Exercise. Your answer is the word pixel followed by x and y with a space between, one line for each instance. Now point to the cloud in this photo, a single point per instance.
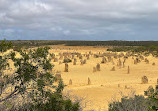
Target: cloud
pixel 75 19
pixel 66 32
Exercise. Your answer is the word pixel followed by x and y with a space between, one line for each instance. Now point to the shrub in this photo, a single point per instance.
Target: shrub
pixel 30 87
pixel 67 60
pixel 136 103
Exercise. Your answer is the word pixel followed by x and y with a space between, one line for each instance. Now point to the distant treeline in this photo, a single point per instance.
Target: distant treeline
pixel 83 43
pixel 134 49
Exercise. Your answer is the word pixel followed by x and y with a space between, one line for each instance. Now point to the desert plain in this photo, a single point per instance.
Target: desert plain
pixel 119 75
pixel 104 85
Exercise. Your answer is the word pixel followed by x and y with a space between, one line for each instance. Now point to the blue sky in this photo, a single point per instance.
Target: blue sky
pixel 79 19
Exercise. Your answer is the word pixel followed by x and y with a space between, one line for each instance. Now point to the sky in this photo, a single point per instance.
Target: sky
pixel 98 20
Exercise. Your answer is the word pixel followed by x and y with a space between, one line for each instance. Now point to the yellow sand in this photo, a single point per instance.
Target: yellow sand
pixel 105 82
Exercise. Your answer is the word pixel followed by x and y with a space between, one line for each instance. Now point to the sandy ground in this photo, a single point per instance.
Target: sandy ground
pixel 104 83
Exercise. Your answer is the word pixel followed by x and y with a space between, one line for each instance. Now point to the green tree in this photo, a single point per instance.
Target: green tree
pixel 32 79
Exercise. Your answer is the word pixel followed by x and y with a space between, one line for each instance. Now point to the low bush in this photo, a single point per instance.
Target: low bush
pixel 67 60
